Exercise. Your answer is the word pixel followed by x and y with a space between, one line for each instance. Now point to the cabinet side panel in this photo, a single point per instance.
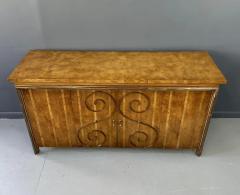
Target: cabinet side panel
pixel 32 116
pixel 177 108
pixel 202 118
pixel 193 119
pixel 38 110
pixel 58 113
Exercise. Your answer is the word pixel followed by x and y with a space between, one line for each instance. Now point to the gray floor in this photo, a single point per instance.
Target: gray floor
pixel 120 171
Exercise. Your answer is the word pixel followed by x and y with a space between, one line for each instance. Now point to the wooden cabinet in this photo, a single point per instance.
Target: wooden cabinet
pixel 95 99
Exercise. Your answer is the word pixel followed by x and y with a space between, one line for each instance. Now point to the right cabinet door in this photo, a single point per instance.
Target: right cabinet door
pixel 162 118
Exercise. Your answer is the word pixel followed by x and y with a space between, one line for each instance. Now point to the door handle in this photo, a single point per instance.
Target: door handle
pixel 120 123
pixel 117 123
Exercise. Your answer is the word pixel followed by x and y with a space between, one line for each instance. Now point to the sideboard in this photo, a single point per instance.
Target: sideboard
pixel 117 98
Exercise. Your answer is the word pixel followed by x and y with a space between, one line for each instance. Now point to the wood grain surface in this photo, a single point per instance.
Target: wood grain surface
pixel 51 68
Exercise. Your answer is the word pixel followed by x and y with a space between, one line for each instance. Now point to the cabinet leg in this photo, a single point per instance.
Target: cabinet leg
pixel 198 151
pixel 34 144
pixel 36 149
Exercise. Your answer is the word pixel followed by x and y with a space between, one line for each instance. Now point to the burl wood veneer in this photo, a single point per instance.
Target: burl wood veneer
pixel 117 99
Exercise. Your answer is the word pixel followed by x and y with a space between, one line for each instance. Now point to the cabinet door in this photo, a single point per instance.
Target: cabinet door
pixel 167 118
pixel 97 110
pixel 71 117
pixel 137 126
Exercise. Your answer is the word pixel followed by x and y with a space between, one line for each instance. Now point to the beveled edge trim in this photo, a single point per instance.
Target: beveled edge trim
pixel 125 87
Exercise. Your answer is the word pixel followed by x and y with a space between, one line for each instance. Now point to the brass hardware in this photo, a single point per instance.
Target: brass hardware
pixel 120 123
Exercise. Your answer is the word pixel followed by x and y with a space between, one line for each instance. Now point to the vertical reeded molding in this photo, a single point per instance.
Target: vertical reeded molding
pixel 124 120
pixel 80 113
pixel 154 111
pixel 109 112
pixel 51 116
pixel 198 151
pixel 182 119
pixel 30 132
pixel 168 117
pixel 66 117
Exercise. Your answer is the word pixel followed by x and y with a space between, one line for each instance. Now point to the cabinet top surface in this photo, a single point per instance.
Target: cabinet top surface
pixel 50 67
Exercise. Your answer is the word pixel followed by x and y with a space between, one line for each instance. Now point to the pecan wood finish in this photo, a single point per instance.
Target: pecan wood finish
pixel 117 99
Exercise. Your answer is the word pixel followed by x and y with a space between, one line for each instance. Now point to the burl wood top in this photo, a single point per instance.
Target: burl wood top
pixel 44 67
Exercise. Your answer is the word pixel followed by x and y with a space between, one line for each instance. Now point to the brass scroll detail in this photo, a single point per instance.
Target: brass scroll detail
pixel 97 105
pixel 145 135
pixel 142 136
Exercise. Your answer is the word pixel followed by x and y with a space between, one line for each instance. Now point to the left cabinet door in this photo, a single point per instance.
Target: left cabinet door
pixel 71 117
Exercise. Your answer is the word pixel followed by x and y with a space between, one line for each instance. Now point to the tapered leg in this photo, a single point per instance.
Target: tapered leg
pixel 36 149
pixel 34 144
pixel 199 150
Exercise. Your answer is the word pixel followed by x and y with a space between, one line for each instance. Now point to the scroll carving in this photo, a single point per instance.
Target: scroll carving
pixel 144 135
pixel 98 101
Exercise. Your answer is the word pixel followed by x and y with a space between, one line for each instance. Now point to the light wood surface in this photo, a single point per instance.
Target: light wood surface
pixel 52 68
